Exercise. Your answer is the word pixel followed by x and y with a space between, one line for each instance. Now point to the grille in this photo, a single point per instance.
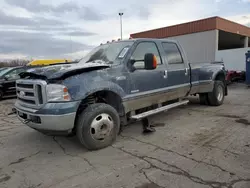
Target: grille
pixel 31 93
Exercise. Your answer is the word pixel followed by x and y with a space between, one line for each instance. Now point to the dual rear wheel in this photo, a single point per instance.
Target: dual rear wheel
pixel 216 97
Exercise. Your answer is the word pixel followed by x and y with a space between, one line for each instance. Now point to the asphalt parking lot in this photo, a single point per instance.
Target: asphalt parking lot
pixel 194 147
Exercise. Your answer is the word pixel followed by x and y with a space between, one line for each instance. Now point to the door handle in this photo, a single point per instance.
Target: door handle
pixel 186 71
pixel 165 74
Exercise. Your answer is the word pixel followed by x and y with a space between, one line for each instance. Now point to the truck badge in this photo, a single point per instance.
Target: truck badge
pixel 22 94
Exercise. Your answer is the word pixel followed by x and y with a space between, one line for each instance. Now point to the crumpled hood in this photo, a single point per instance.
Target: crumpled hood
pixel 62 71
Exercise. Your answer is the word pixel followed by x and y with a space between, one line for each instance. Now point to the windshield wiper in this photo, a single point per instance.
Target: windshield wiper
pixel 100 61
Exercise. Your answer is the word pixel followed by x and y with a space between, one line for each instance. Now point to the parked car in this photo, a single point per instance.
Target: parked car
pixel 1 69
pixel 235 76
pixel 115 83
pixel 8 77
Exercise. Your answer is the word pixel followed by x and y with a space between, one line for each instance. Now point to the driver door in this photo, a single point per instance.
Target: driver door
pixel 146 81
pixel 146 84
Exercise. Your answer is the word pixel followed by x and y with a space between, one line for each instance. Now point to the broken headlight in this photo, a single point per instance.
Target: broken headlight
pixel 57 92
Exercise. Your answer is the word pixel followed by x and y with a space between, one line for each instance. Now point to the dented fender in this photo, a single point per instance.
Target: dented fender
pixel 83 85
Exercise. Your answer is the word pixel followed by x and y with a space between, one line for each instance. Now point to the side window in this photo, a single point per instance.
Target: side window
pixel 20 70
pixel 172 52
pixel 143 48
pixel 14 74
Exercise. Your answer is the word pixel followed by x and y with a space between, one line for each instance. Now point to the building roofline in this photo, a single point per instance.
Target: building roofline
pixel 176 25
pixel 232 27
pixel 232 22
pixel 201 25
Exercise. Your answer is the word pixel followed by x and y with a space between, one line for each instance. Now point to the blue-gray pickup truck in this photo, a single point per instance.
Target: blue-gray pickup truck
pixel 113 84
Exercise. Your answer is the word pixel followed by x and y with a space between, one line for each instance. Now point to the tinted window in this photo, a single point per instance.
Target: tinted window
pixel 144 48
pixel 173 53
pixel 14 74
pixel 3 72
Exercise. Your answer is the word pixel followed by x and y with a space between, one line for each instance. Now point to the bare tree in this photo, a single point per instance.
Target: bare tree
pixel 14 63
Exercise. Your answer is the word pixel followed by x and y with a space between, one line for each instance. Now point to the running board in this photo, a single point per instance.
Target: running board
pixel 158 110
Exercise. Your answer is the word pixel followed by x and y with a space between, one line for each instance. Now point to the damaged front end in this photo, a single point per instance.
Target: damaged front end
pixel 44 102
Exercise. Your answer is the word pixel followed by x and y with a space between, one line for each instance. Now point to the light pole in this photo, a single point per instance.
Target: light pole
pixel 121 14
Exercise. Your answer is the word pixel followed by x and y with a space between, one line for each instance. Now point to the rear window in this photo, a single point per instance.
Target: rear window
pixel 172 52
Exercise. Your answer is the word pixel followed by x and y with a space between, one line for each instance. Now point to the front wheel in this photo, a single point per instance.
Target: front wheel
pixel 216 97
pixel 98 126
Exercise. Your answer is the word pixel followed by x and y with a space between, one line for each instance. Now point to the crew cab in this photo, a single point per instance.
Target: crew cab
pixel 113 84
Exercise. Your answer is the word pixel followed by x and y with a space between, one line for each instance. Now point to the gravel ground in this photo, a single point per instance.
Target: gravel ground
pixel 193 146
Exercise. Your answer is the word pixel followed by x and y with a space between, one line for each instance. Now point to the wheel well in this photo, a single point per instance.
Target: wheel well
pixel 110 98
pixel 107 97
pixel 221 76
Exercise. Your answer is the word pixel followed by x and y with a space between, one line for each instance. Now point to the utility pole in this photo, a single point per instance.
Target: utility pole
pixel 71 44
pixel 121 14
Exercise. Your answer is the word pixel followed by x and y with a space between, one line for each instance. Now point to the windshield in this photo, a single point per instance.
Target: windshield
pixel 4 71
pixel 108 53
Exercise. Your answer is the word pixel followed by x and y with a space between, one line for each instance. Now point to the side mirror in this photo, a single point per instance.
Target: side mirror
pixel 150 61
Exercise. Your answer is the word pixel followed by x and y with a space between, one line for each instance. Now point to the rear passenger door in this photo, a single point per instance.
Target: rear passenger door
pixel 178 73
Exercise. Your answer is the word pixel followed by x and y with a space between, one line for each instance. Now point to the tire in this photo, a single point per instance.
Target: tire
pixel 98 126
pixel 216 97
pixel 203 99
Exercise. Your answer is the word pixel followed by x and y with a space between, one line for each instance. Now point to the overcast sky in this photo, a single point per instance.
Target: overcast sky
pixel 70 28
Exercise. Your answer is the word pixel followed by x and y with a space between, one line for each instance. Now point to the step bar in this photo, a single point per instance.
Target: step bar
pixel 158 110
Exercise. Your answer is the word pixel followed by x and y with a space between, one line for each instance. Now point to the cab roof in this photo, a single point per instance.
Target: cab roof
pixel 146 39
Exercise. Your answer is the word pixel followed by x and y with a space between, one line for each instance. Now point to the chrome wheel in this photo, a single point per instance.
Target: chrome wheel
pixel 101 127
pixel 220 93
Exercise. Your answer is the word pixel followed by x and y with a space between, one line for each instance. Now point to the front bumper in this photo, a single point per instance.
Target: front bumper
pixel 52 117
